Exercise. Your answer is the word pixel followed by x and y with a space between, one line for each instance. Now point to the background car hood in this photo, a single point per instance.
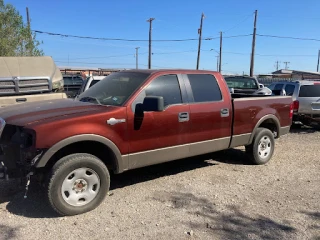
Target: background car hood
pixel 27 113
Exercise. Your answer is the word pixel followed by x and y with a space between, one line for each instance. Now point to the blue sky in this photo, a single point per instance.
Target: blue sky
pixel 177 20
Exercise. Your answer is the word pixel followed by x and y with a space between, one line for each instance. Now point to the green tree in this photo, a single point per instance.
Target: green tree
pixel 16 38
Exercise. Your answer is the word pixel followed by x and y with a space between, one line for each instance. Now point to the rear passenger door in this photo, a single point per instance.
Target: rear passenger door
pixel 210 114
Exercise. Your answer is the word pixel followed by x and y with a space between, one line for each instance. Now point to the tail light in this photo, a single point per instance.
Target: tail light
pixel 295 106
pixel 291 110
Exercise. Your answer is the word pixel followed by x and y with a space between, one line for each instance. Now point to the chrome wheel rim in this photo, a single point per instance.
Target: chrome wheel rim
pixel 264 147
pixel 80 187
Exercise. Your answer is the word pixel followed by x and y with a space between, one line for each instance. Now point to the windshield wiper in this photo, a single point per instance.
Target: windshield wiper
pixel 87 99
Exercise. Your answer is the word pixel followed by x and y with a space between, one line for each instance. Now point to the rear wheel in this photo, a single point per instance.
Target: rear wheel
pixel 262 148
pixel 78 183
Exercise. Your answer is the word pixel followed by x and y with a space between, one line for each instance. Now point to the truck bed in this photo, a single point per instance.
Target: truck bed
pixel 249 112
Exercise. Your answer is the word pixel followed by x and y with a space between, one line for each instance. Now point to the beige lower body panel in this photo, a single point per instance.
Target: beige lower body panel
pixel 240 140
pixel 284 130
pixel 10 100
pixel 142 159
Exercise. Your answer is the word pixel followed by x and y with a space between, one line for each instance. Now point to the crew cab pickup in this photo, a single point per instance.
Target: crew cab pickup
pixel 132 119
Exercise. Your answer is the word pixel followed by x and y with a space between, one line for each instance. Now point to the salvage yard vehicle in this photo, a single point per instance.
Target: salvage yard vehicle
pixel 89 82
pixel 72 84
pixel 29 79
pixel 133 119
pixel 306 98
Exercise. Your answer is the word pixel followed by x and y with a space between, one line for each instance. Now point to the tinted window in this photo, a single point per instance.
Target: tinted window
pixel 278 87
pixel 166 86
pixel 241 82
pixel 310 91
pixel 204 87
pixel 289 89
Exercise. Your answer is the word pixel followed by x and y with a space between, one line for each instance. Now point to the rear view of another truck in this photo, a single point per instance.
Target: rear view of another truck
pixel 29 79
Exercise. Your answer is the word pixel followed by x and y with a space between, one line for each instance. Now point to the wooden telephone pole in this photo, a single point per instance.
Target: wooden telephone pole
pixel 253 43
pixel 200 38
pixel 150 35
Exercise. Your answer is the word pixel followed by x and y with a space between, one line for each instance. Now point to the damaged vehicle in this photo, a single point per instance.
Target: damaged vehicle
pixel 132 119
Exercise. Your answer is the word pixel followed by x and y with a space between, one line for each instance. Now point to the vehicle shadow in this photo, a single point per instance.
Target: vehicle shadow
pixel 230 223
pixel 303 129
pixel 37 206
pixel 230 156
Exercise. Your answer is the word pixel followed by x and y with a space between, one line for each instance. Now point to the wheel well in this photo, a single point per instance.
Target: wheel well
pixel 271 125
pixel 101 151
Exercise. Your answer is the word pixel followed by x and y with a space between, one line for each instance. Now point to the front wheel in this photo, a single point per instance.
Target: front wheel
pixel 262 148
pixel 78 183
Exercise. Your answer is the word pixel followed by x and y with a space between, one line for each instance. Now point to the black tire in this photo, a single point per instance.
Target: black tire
pixel 262 138
pixel 93 170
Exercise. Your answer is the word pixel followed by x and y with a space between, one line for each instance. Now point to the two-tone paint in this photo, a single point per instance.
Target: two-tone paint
pixel 180 131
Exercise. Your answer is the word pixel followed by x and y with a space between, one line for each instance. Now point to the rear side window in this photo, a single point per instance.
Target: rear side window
pixel 166 86
pixel 310 91
pixel 289 89
pixel 278 87
pixel 205 88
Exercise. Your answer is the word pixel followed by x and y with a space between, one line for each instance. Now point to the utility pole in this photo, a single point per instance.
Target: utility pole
pixel 200 38
pixel 220 54
pixel 150 33
pixel 137 55
pixel 318 61
pixel 217 63
pixel 253 43
pixel 277 65
pixel 29 26
pixel 286 65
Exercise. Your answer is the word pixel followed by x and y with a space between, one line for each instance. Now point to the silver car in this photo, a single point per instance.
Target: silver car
pixel 306 97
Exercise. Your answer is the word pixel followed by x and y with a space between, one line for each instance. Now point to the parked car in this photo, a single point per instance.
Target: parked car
pixel 29 79
pixel 89 82
pixel 242 84
pixel 72 84
pixel 133 119
pixel 306 99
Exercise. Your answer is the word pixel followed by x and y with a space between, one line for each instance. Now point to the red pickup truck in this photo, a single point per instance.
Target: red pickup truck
pixel 132 119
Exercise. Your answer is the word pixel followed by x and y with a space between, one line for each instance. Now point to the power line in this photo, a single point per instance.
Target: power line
pixel 245 19
pixel 295 38
pixel 135 40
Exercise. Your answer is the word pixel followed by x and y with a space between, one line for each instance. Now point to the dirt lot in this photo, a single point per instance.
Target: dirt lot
pixel 220 198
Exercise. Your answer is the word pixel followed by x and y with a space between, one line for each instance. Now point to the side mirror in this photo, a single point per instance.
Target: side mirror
pixel 153 104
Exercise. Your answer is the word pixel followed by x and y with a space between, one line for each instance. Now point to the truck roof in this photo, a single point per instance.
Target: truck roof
pixel 152 71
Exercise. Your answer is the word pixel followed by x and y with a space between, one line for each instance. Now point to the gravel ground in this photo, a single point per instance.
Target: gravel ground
pixel 217 196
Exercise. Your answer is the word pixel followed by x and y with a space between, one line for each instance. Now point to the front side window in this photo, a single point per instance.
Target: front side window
pixel 205 88
pixel 166 86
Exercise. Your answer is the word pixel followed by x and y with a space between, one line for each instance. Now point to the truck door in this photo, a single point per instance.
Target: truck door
pixel 210 114
pixel 160 136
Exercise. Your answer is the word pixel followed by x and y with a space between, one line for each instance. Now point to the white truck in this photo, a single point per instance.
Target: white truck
pixel 29 79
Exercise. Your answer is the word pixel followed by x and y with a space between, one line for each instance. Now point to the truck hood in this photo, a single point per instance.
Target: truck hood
pixel 27 113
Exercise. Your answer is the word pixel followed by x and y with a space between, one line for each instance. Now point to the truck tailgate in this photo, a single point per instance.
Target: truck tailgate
pixel 10 100
pixel 247 112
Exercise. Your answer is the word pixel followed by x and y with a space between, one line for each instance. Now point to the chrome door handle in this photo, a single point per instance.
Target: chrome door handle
pixel 183 117
pixel 224 112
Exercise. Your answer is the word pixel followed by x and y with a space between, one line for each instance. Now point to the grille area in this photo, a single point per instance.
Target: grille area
pixel 9 87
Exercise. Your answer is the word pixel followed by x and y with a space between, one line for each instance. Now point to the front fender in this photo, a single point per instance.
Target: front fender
pixel 121 161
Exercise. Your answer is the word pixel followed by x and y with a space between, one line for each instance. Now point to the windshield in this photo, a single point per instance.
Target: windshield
pixel 310 91
pixel 115 89
pixel 241 82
